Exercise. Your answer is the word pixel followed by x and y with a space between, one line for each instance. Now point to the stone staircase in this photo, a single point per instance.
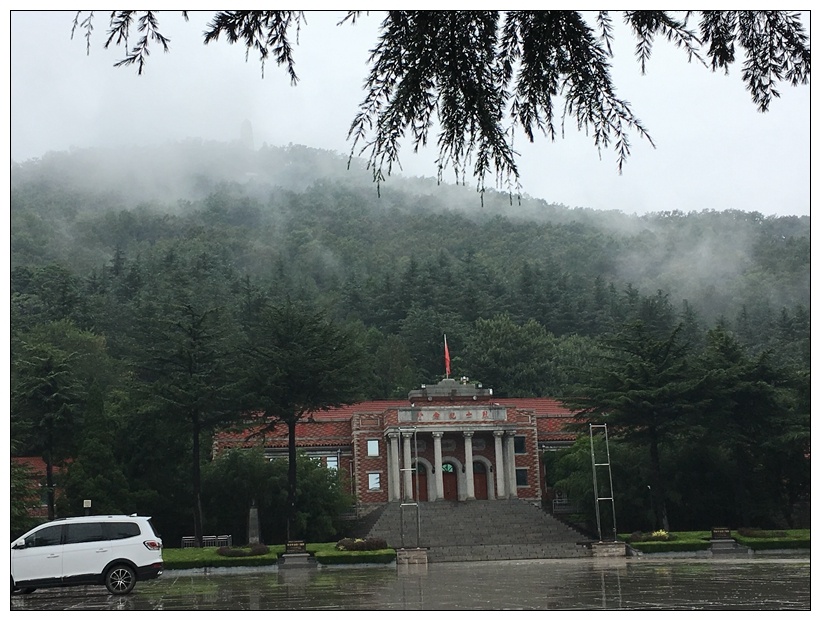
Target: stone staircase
pixel 509 529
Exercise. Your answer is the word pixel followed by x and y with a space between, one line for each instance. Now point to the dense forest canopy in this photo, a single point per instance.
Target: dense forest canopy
pixel 112 252
pixel 300 211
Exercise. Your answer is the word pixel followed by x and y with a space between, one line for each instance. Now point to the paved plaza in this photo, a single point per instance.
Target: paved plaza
pixel 753 583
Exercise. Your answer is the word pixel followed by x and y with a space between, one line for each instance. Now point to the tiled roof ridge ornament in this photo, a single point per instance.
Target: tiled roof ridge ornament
pixel 450 390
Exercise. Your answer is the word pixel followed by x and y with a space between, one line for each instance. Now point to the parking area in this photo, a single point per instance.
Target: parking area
pixel 583 584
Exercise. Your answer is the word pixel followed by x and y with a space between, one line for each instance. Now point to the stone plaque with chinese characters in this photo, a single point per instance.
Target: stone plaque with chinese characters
pixel 452 414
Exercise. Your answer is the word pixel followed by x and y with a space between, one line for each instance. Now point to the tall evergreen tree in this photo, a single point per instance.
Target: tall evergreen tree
pixel 642 388
pixel 52 371
pixel 755 413
pixel 187 370
pixel 297 361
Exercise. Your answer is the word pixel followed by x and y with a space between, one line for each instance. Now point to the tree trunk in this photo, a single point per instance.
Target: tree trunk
pixel 742 512
pixel 291 508
pixel 658 488
pixel 50 486
pixel 197 483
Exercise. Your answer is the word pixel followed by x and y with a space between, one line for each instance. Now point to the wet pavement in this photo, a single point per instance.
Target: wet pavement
pixel 746 583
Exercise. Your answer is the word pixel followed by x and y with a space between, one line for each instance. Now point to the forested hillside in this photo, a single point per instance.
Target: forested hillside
pixel 108 248
pixel 415 262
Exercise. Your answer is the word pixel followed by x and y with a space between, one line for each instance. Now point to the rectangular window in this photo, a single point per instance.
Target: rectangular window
pixel 120 530
pixel 372 447
pixel 520 445
pixel 84 532
pixel 332 462
pixel 46 537
pixel 521 477
pixel 374 482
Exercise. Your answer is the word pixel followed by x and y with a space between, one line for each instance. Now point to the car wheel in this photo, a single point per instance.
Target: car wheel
pixel 120 579
pixel 27 590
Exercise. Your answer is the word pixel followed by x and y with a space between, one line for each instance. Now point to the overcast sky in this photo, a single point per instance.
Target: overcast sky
pixel 714 150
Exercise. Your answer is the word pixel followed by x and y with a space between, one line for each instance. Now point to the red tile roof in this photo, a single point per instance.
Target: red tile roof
pixel 333 427
pixel 539 406
pixel 36 463
pixel 367 406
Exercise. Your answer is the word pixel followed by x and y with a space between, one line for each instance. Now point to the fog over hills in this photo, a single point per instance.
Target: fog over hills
pixel 712 258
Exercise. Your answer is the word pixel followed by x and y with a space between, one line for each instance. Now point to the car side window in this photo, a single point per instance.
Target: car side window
pixel 121 530
pixel 46 537
pixel 84 532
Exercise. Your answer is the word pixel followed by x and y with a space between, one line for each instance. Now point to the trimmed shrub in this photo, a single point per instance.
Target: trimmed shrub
pixel 241 552
pixel 231 552
pixel 777 543
pixel 379 556
pixel 664 546
pixel 749 532
pixel 658 536
pixel 361 544
pixel 217 561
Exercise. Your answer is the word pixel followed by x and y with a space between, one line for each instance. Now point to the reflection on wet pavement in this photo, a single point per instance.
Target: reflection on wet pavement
pixel 583 584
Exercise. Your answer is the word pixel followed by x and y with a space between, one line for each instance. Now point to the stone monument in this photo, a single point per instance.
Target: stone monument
pixel 253 524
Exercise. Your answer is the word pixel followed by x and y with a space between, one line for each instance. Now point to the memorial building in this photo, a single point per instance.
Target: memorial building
pixel 450 441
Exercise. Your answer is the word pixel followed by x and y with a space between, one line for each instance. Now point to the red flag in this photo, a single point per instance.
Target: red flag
pixel 446 357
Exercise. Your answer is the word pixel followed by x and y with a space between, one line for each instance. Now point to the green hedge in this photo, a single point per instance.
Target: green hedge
pixel 773 543
pixel 325 553
pixel 207 557
pixel 699 541
pixel 378 556
pixel 664 546
pixel 794 539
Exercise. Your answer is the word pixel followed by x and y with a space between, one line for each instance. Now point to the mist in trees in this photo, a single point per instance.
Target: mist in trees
pixel 140 325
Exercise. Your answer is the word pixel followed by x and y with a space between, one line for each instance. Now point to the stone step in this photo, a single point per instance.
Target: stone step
pixel 504 552
pixel 475 530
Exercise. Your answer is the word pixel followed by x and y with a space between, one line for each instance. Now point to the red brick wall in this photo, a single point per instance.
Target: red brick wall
pixel 354 432
pixel 530 459
pixel 368 427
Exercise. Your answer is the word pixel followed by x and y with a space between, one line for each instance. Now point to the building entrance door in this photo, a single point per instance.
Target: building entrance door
pixel 480 480
pixel 448 474
pixel 421 480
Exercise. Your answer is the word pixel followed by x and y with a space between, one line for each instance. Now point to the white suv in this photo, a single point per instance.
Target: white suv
pixel 111 550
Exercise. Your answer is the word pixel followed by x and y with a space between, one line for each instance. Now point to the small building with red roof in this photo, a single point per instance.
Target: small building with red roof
pixel 37 475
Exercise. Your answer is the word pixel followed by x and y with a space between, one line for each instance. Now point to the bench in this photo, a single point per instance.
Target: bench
pixel 208 541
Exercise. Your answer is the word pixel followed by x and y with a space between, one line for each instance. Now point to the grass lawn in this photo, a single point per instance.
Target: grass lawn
pixel 699 541
pixel 325 553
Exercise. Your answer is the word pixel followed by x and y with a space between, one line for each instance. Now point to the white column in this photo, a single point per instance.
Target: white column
pixel 468 463
pixel 510 439
pixel 499 469
pixel 438 464
pixel 394 480
pixel 408 473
